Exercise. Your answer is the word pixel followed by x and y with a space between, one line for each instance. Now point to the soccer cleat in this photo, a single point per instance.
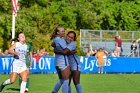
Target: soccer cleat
pixel 1 87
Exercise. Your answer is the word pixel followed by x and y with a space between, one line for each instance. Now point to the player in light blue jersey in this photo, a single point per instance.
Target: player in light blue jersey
pixel 73 60
pixel 18 66
pixel 61 61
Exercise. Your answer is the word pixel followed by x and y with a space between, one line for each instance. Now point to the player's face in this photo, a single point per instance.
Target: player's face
pixel 61 32
pixel 70 37
pixel 21 37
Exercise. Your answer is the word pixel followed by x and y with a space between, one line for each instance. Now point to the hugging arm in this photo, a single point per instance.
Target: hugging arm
pixel 53 44
pixel 62 52
pixel 65 51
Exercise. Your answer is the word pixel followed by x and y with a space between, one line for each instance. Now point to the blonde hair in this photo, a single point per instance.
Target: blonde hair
pixel 57 29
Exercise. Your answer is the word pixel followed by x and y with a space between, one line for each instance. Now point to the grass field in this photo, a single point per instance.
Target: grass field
pixel 91 83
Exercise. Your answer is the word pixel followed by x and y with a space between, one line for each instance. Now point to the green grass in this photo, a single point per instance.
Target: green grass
pixel 91 83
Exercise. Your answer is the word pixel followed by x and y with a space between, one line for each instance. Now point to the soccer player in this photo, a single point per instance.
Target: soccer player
pixel 61 61
pixel 19 50
pixel 73 60
pixel 29 58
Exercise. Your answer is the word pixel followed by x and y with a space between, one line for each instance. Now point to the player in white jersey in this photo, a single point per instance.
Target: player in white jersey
pixel 18 66
pixel 29 58
pixel 73 60
pixel 61 61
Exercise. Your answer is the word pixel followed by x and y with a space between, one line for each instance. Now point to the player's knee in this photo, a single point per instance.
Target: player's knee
pixel 76 82
pixel 12 81
pixel 24 79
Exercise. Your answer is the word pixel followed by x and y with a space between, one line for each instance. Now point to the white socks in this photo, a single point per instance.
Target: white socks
pixel 22 87
pixel 6 82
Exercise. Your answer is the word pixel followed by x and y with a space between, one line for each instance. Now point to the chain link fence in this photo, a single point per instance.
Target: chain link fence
pixel 105 39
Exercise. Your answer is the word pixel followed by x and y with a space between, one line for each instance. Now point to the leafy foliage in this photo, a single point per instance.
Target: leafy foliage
pixel 38 18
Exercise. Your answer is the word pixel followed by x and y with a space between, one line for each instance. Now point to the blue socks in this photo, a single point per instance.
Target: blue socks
pixel 69 91
pixel 78 88
pixel 65 86
pixel 57 86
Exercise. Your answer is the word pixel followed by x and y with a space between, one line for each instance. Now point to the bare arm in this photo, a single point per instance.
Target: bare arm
pixel 11 50
pixel 63 52
pixel 72 52
pixel 53 44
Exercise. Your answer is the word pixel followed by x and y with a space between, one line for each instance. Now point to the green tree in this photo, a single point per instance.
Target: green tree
pixel 38 18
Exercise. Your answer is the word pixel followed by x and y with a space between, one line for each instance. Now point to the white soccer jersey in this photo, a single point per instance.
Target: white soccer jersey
pixel 22 49
pixel 19 64
pixel 60 60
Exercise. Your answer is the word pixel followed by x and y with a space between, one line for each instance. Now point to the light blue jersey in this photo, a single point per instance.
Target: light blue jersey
pixel 60 60
pixel 74 60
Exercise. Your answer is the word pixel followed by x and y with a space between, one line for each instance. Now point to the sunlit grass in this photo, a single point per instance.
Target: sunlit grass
pixel 91 83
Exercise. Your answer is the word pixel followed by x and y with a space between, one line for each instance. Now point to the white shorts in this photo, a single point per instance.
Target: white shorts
pixel 61 67
pixel 18 66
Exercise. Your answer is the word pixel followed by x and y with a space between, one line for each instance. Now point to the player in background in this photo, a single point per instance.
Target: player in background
pixel 29 58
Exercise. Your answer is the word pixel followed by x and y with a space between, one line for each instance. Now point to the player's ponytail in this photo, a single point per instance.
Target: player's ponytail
pixel 54 34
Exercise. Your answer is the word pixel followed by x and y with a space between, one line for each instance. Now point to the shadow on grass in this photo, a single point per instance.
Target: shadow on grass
pixel 14 89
